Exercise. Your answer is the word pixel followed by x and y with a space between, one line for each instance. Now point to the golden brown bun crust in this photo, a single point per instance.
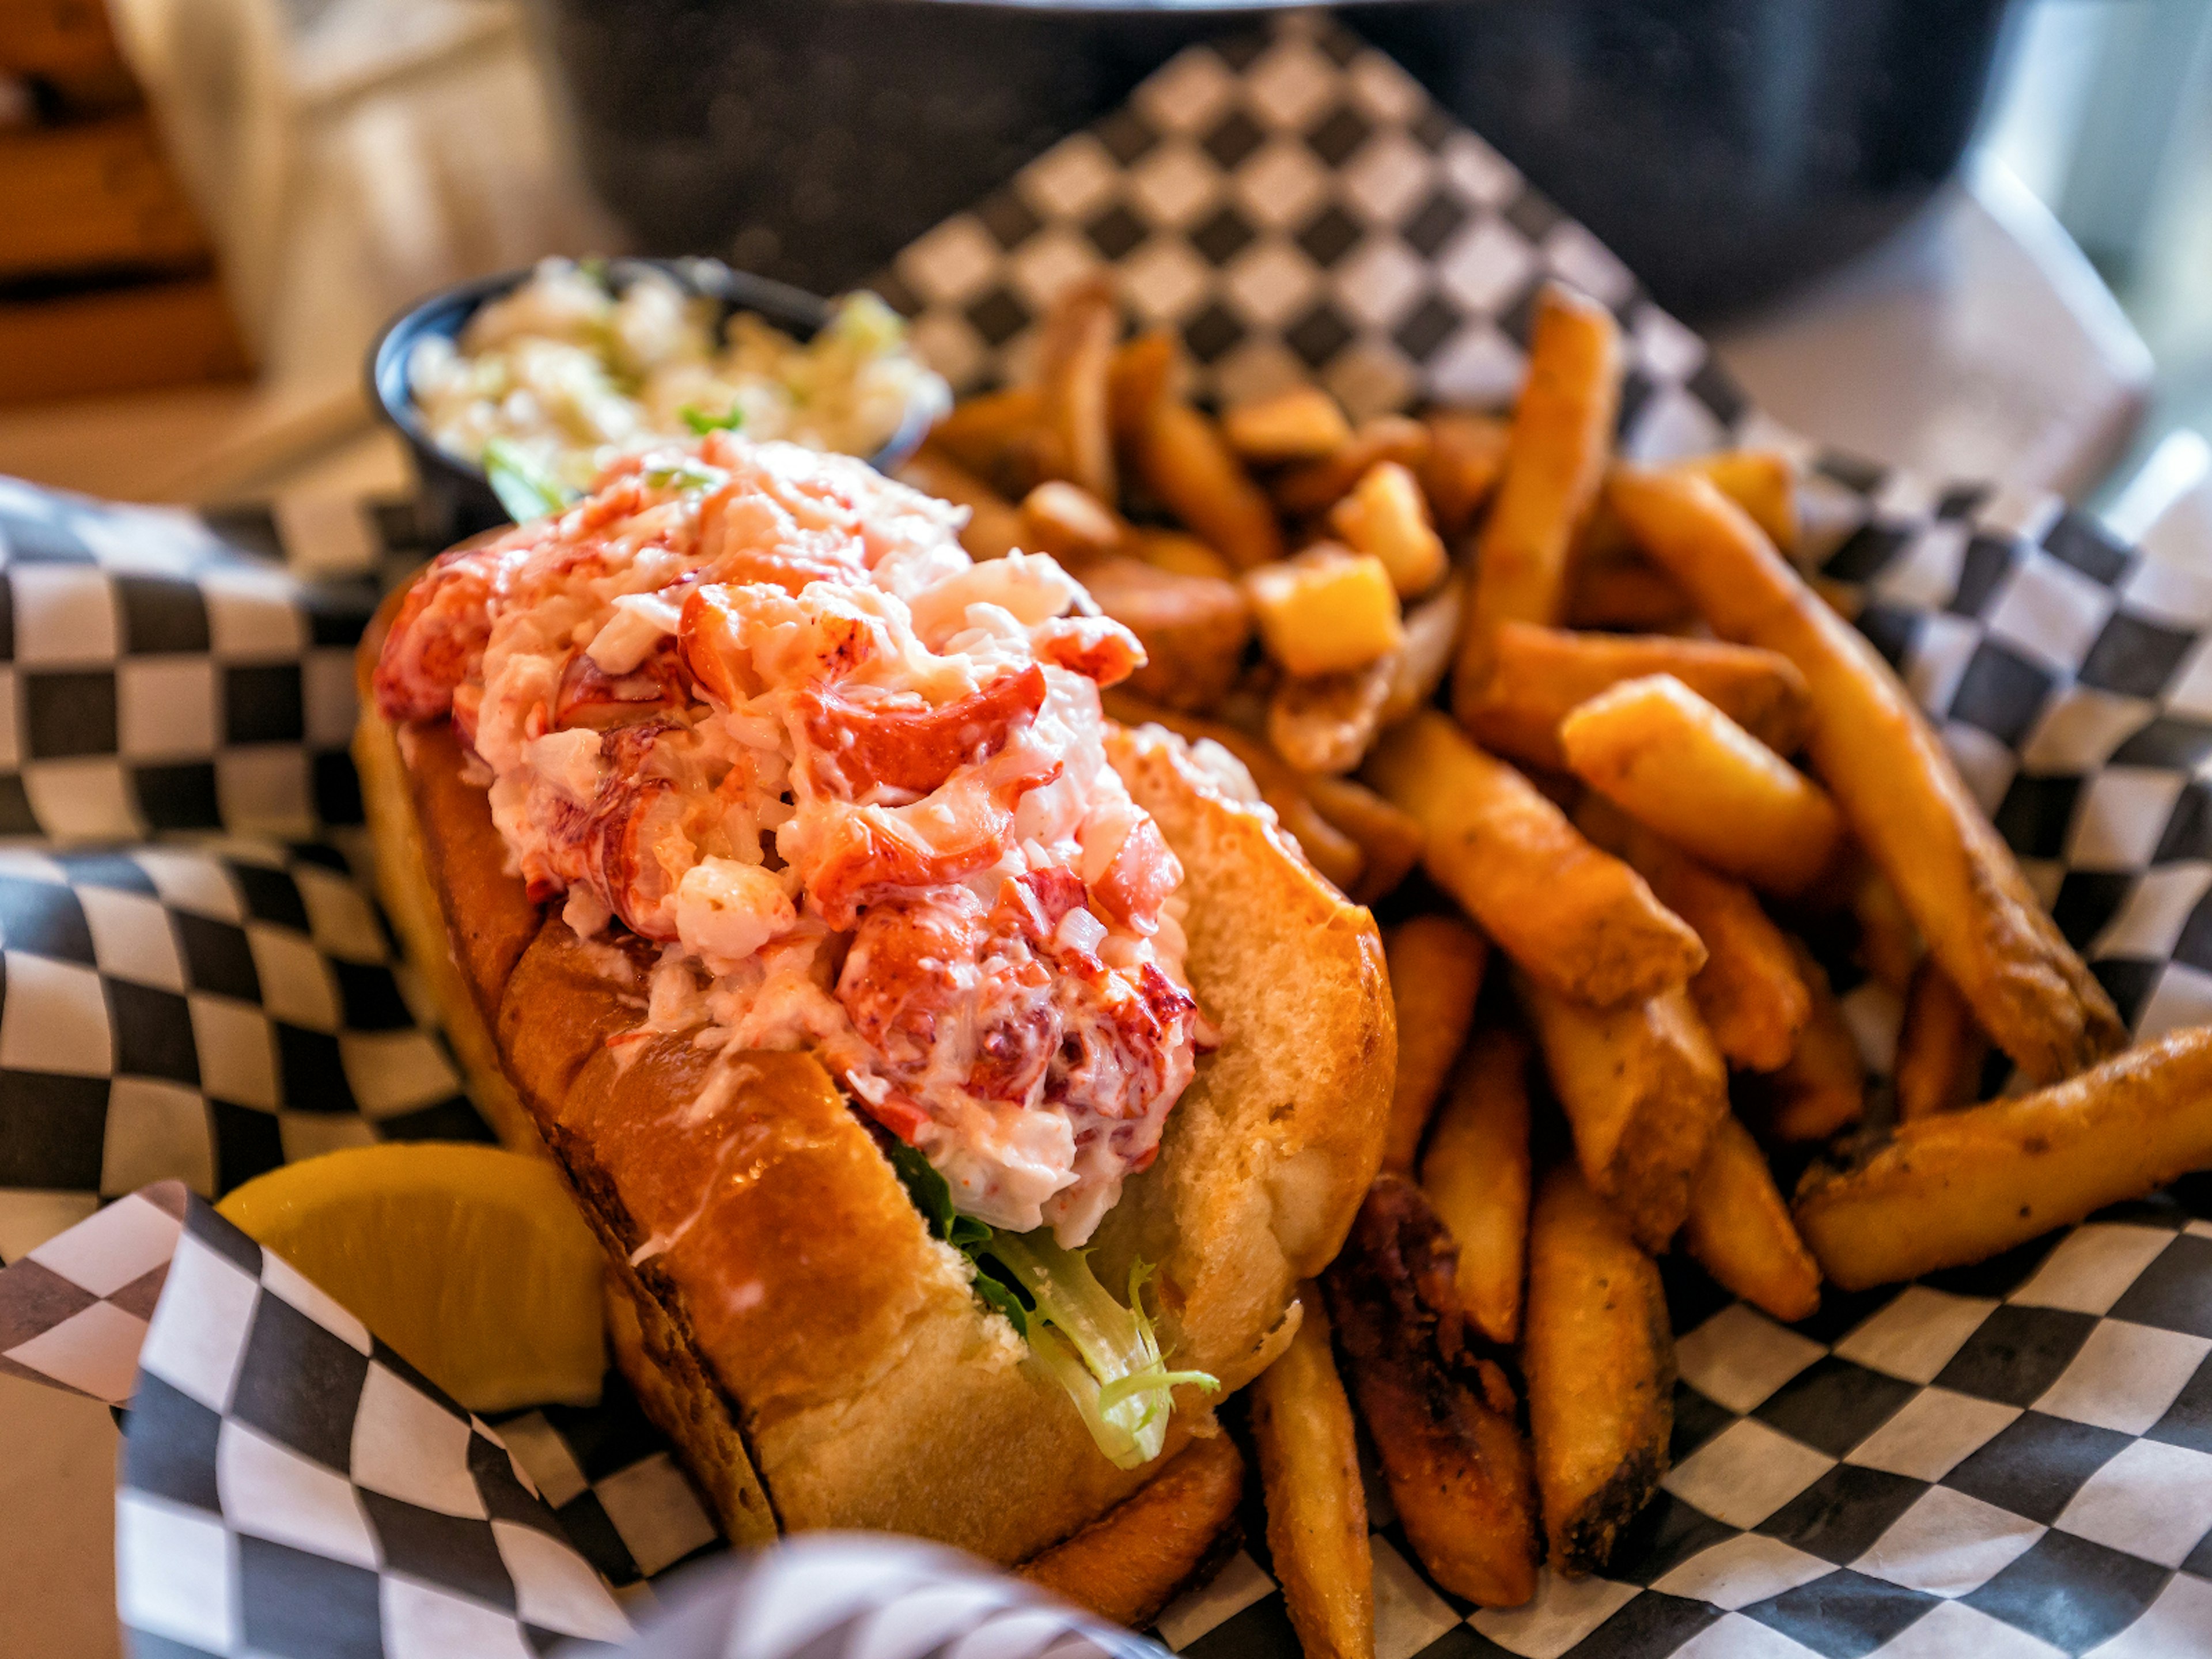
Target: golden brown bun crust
pixel 796 1316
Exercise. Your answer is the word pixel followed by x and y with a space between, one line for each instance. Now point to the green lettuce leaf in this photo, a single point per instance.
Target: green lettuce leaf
pixel 702 422
pixel 525 489
pixel 1105 1354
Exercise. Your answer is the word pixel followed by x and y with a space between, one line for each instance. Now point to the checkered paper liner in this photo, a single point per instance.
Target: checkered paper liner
pixel 2011 1459
pixel 290 1486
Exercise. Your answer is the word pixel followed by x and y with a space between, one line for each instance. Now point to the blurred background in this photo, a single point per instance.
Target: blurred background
pixel 1964 234
pixel 1969 236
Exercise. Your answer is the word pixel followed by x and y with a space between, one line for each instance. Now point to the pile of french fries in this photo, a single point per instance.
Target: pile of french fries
pixel 1642 761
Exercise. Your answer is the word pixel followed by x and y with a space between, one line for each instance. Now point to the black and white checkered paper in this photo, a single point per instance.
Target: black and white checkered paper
pixel 2013 1459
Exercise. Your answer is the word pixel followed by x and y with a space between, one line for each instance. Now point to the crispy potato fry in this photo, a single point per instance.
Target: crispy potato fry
pixel 1075 349
pixel 1436 973
pixel 1627 594
pixel 1750 992
pixel 1385 515
pixel 1325 611
pixel 1193 628
pixel 1554 464
pixel 1466 457
pixel 1001 437
pixel 1431 630
pixel 1890 776
pixel 1579 919
pixel 1599 1360
pixel 1067 521
pixel 1540 676
pixel 1823 1087
pixel 1668 758
pixel 1642 1087
pixel 1963 1185
pixel 1316 1506
pixel 1889 946
pixel 1319 485
pixel 1442 1418
pixel 1302 424
pixel 1761 481
pixel 1140 374
pixel 1390 840
pixel 1324 723
pixel 1475 1173
pixel 1130 1562
pixel 1328 848
pixel 1183 460
pixel 1740 1229
pixel 995 526
pixel 1179 553
pixel 1940 1049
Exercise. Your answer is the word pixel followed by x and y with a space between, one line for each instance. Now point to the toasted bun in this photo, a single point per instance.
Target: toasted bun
pixel 816 1358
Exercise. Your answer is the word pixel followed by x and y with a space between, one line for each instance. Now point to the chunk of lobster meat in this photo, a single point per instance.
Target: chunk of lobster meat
pixel 858 748
pixel 1140 879
pixel 1032 904
pixel 629 846
pixel 1097 648
pixel 438 635
pixel 750 536
pixel 721 627
pixel 1127 1052
pixel 963 826
pixel 589 696
pixel 929 978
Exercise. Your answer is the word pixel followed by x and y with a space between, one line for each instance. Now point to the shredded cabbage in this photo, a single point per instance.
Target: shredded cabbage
pixel 1107 1356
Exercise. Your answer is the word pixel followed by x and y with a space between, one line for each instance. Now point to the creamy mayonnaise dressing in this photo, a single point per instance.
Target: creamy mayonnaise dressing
pixel 755 704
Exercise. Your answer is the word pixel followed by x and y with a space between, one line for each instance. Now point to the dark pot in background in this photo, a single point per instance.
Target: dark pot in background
pixel 1725 148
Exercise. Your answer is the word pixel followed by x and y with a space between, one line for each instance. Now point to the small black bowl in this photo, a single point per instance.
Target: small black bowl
pixel 454 499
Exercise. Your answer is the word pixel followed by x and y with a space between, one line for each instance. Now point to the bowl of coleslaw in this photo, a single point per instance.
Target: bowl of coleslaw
pixel 514 392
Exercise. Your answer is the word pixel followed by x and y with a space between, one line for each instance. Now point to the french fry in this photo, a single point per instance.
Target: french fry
pixel 1193 628
pixel 1642 1087
pixel 1302 424
pixel 1140 374
pixel 1578 919
pixel 1554 464
pixel 1179 553
pixel 1539 675
pixel 1442 1418
pixel 1067 521
pixel 1475 1173
pixel 1075 350
pixel 1325 611
pixel 1889 947
pixel 995 526
pixel 1431 630
pixel 1750 992
pixel 1940 1049
pixel 1001 437
pixel 1762 482
pixel 1599 1360
pixel 1319 485
pixel 1739 1229
pixel 1130 1562
pixel 1325 723
pixel 1316 1506
pixel 1963 1185
pixel 1181 458
pixel 1328 848
pixel 1384 515
pixel 1893 781
pixel 1467 457
pixel 1436 973
pixel 1822 1089
pixel 1627 593
pixel 1390 840
pixel 1671 760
